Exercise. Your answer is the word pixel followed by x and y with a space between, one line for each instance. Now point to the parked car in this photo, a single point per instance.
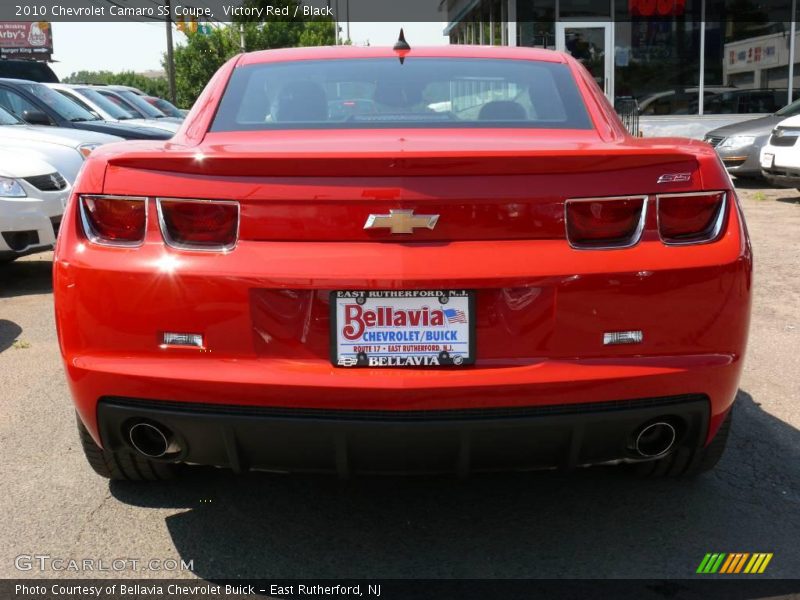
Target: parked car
pixel 32 199
pixel 130 100
pixel 780 156
pixel 32 70
pixel 676 102
pixel 739 144
pixel 95 102
pixel 167 107
pixel 740 102
pixel 64 148
pixel 515 283
pixel 37 104
pixel 130 88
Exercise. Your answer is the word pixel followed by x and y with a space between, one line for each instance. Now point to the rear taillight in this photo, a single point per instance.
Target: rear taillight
pixel 199 224
pixel 114 220
pixel 690 218
pixel 605 222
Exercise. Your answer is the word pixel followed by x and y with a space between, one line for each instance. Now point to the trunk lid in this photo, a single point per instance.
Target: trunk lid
pixel 482 184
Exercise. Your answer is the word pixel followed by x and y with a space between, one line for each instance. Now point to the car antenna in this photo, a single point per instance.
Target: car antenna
pixel 401 45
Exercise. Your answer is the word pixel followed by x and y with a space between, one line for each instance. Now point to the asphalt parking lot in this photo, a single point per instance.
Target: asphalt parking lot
pixel 591 523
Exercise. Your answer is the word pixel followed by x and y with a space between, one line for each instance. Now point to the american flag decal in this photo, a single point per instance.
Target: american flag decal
pixel 455 316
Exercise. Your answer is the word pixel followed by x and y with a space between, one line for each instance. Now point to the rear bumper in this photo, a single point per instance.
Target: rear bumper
pixel 220 384
pixel 782 177
pixel 541 311
pixel 368 442
pixel 742 161
pixel 29 224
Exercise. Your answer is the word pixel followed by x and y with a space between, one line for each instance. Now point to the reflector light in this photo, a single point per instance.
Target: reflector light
pixel 114 220
pixel 613 338
pixel 594 223
pixel 690 218
pixel 193 340
pixel 199 224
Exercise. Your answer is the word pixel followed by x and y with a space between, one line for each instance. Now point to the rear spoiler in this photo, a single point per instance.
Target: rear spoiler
pixel 345 164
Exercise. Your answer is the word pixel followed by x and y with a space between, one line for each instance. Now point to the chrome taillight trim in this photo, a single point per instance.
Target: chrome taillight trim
pixel 714 231
pixel 191 247
pixel 94 237
pixel 630 243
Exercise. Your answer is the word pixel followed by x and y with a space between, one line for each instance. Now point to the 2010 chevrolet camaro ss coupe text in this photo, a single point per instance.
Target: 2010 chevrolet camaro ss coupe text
pixel 363 260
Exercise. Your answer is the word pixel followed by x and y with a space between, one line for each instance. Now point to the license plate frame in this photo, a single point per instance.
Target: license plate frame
pixel 455 353
pixel 768 160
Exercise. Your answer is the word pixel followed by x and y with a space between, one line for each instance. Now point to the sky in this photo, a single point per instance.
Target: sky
pixel 97 46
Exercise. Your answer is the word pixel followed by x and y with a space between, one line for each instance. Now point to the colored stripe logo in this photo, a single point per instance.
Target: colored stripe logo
pixel 734 563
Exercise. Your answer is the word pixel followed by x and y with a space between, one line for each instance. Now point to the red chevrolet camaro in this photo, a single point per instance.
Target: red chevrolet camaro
pixel 362 260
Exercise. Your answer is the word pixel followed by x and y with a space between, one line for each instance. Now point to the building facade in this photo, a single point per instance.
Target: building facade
pixel 673 57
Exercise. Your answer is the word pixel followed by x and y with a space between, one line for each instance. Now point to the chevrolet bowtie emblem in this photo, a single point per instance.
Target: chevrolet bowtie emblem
pixel 401 221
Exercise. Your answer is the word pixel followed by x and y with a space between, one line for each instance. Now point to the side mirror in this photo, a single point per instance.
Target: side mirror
pixel 36 117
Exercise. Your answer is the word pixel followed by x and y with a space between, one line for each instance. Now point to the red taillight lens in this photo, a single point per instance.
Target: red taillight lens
pixel 202 224
pixel 116 220
pixel 605 222
pixel 690 218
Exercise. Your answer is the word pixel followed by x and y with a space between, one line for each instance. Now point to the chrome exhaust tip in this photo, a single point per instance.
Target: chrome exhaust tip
pixel 153 441
pixel 655 439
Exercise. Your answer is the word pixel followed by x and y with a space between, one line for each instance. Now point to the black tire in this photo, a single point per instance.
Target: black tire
pixel 685 462
pixel 123 465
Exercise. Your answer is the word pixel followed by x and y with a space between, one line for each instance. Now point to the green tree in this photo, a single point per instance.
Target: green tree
pixel 202 54
pixel 198 59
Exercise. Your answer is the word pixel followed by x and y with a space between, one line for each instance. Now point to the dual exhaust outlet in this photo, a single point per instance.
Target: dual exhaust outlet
pixel 152 440
pixel 654 439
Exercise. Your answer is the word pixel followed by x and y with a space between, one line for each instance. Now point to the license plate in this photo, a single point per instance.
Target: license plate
pixel 766 160
pixel 412 328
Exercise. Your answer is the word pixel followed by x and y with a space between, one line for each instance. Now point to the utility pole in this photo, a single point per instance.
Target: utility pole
pixel 170 56
pixel 792 43
pixel 242 48
pixel 336 23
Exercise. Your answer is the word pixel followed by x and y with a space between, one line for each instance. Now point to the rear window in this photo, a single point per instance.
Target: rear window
pixel 140 104
pixel 116 111
pixel 420 92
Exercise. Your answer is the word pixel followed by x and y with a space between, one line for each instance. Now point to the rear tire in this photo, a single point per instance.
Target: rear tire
pixel 122 465
pixel 687 462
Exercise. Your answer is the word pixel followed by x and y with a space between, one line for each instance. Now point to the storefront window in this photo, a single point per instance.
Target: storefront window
pixel 584 9
pixel 657 56
pixel 649 51
pixel 749 60
pixel 537 23
pixel 485 24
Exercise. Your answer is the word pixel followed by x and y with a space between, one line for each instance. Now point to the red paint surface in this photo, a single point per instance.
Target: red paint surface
pixel 542 307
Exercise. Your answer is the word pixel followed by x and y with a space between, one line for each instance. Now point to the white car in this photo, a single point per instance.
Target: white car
pixel 62 147
pixel 32 200
pixel 93 101
pixel 780 157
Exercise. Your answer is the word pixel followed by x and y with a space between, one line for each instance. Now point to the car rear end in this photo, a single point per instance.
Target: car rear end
pixel 516 292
